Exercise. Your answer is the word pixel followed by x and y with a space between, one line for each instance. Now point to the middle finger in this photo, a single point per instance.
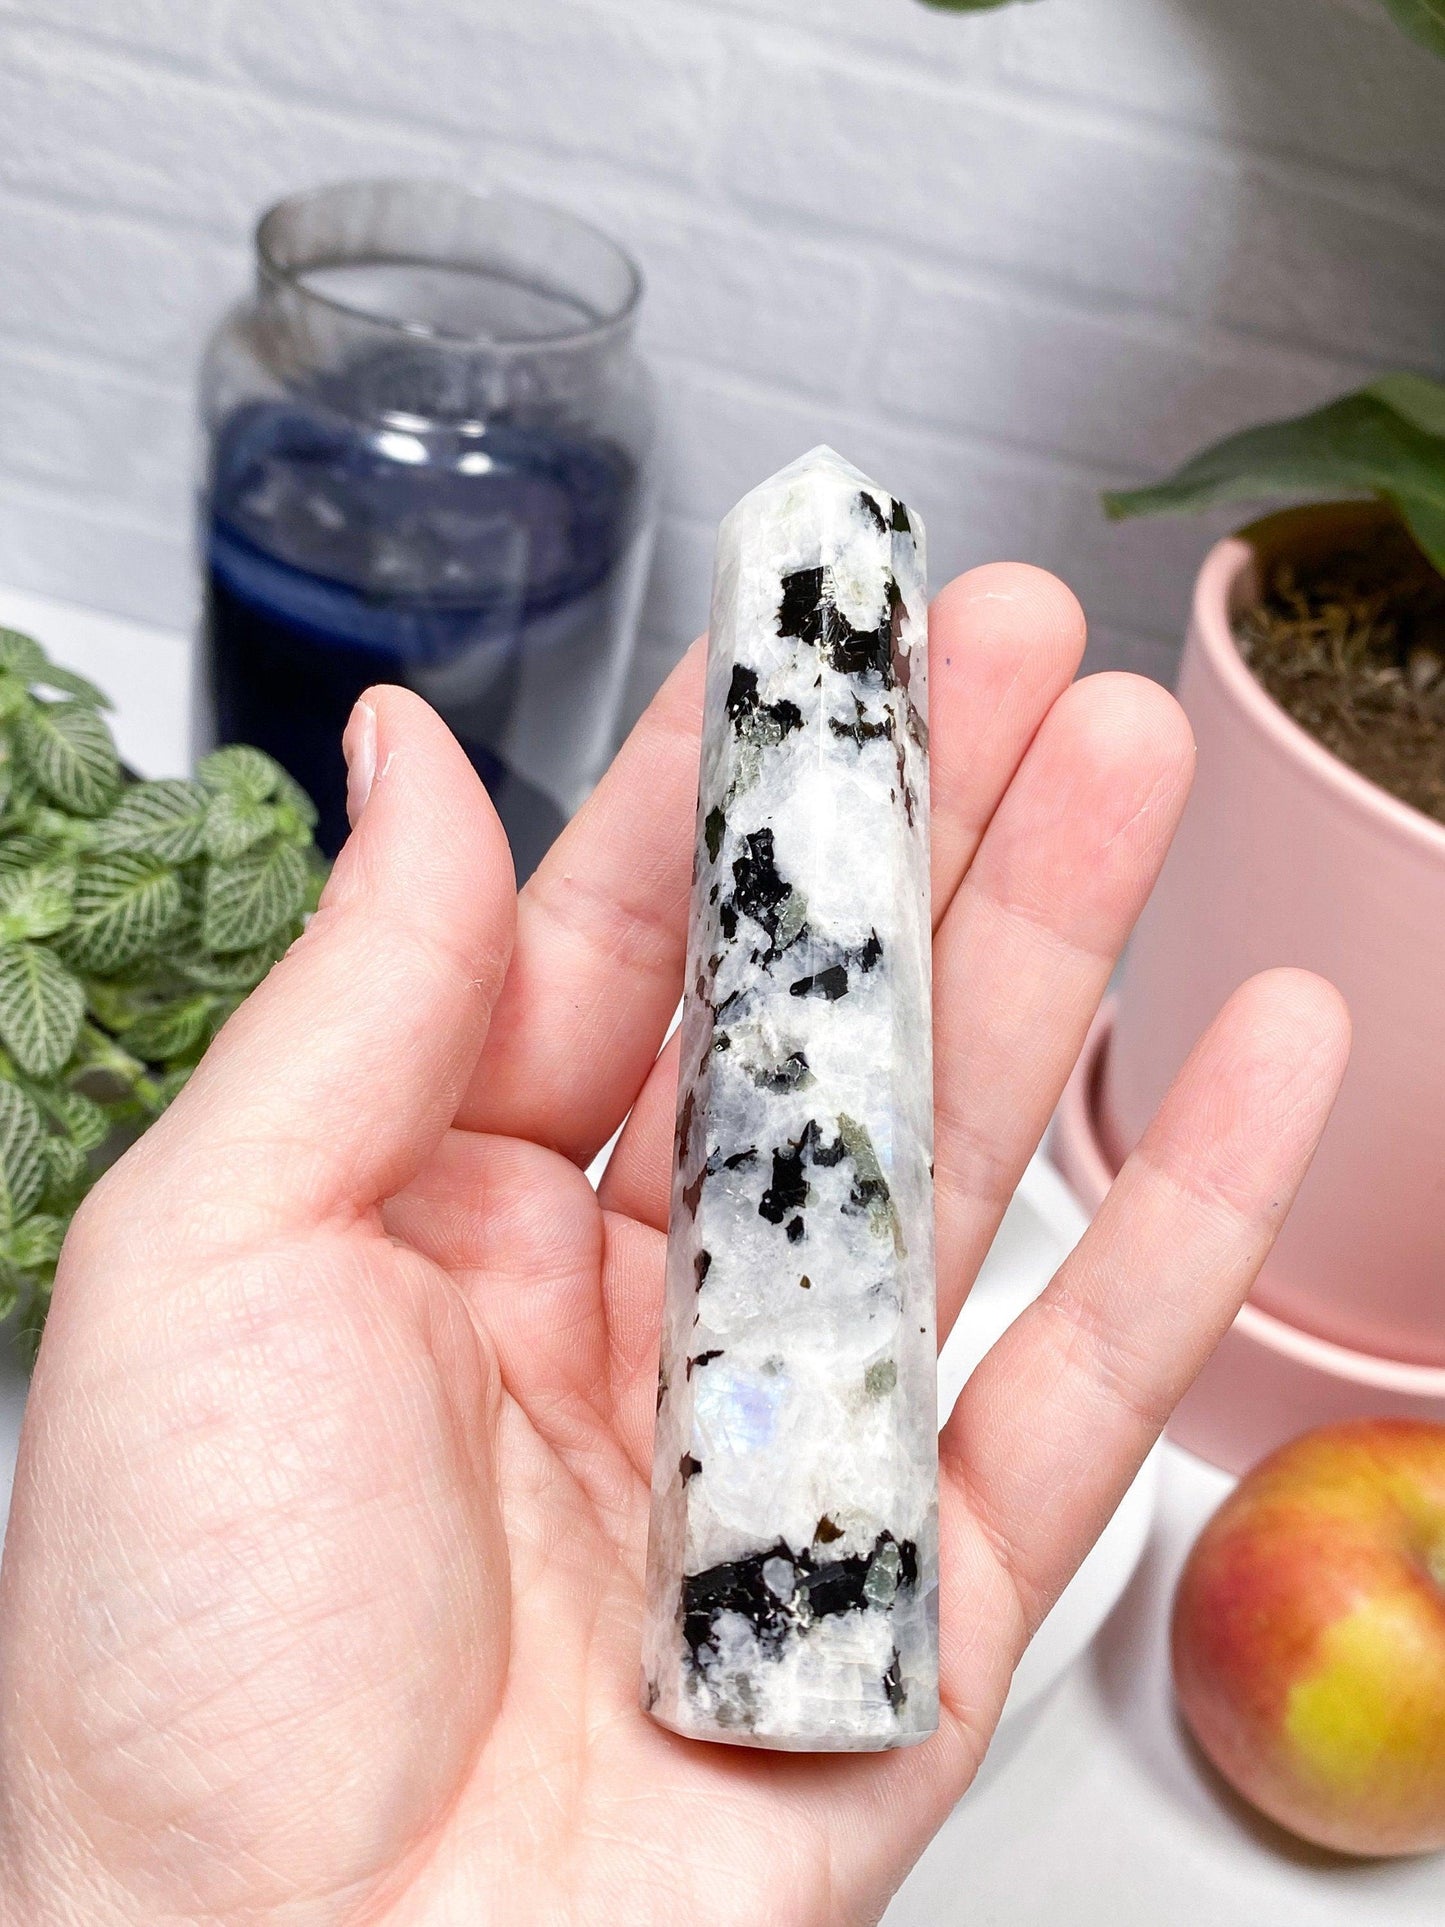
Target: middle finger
pixel 1021 959
pixel 1003 641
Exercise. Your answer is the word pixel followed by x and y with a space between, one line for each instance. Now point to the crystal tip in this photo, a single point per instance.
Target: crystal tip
pixel 822 460
pixel 822 468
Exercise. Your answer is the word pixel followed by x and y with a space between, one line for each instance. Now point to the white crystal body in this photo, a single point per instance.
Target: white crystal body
pixel 792 1569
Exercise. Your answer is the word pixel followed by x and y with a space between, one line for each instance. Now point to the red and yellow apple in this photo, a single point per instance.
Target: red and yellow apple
pixel 1309 1637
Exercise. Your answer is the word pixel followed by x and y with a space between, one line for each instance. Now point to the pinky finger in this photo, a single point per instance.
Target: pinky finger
pixel 1059 1416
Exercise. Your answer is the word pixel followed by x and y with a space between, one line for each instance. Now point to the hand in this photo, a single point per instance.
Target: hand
pixel 322 1590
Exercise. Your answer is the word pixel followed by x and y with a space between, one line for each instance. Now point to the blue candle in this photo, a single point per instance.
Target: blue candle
pixel 429 445
pixel 334 562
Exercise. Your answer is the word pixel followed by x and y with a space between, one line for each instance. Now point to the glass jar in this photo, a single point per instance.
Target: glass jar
pixel 430 448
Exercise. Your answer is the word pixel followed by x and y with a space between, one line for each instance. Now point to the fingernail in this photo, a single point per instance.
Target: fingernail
pixel 358 746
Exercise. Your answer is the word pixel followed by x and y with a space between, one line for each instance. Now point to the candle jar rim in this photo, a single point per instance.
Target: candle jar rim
pixel 427 223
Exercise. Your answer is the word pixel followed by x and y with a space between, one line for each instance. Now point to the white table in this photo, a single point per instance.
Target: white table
pixel 1100 1815
pixel 1103 1816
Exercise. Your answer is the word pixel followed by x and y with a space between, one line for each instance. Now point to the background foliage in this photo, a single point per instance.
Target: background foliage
pixel 134 918
pixel 1423 20
pixel 1387 439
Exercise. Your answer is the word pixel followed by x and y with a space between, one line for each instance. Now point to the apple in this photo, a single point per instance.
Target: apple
pixel 1309 1637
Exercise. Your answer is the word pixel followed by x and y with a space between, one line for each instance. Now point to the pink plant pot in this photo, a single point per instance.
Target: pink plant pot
pixel 1267 1381
pixel 1286 856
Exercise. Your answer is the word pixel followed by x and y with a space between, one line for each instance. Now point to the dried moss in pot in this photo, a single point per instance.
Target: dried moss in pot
pixel 1353 648
pixel 134 918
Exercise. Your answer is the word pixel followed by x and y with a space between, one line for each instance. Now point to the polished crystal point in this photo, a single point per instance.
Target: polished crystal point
pixel 792 1566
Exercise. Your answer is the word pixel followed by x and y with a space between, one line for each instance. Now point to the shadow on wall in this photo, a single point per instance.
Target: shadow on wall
pixel 1256 229
pixel 1330 262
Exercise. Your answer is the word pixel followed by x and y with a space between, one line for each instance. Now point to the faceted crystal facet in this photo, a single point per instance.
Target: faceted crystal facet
pixel 792 1567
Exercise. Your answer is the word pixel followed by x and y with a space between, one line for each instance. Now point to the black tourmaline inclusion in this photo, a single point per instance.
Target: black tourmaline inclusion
pixel 874 513
pixel 788 1191
pixel 758 889
pixel 810 1589
pixel 750 715
pixel 809 614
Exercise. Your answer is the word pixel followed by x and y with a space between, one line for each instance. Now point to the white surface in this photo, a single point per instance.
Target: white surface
pixel 144 670
pixel 1104 1817
pixel 1000 260
pixel 1040 1229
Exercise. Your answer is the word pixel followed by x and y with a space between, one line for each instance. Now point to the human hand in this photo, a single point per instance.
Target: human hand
pixel 322 1593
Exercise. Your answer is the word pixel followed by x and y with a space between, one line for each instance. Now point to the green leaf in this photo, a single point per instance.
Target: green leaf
pixel 35 1243
pixel 172 1084
pixel 165 819
pixel 1423 20
pixel 124 905
pixel 116 1006
pixel 21 851
pixel 41 1008
pixel 71 684
pixel 234 823
pixel 242 771
pixel 13 694
pixel 22 655
pixel 22 1160
pixel 170 1030
pixel 65 1165
pixel 292 799
pixel 71 754
pixel 1386 440
pixel 35 903
pixel 240 970
pixel 81 1118
pixel 1418 399
pixel 253 898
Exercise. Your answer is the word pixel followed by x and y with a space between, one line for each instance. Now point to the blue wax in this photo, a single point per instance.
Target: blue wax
pixel 466 566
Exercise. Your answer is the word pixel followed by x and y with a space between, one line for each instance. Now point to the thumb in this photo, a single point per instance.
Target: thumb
pixel 336 1079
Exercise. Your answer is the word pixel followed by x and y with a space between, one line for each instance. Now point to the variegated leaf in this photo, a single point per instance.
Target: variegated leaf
pixel 22 1160
pixel 71 755
pixel 35 1243
pixel 124 905
pixel 35 903
pixel 82 1119
pixel 243 771
pixel 165 819
pixel 169 1031
pixel 21 654
pixel 41 1008
pixel 234 823
pixel 255 897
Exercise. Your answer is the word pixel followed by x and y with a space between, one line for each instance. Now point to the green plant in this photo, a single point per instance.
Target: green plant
pixel 1423 20
pixel 1386 440
pixel 134 918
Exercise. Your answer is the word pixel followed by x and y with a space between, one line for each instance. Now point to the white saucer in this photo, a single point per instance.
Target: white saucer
pixel 1040 1229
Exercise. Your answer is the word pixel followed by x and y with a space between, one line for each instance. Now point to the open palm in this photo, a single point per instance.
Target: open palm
pixel 322 1593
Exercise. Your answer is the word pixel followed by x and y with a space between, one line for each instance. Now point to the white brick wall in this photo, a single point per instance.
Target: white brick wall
pixel 1005 261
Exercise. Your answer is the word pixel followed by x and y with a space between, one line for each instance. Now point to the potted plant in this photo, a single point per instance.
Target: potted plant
pixel 134 918
pixel 1314 676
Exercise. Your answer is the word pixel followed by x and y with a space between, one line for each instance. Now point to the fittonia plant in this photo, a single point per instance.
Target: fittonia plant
pixel 134 918
pixel 1386 440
